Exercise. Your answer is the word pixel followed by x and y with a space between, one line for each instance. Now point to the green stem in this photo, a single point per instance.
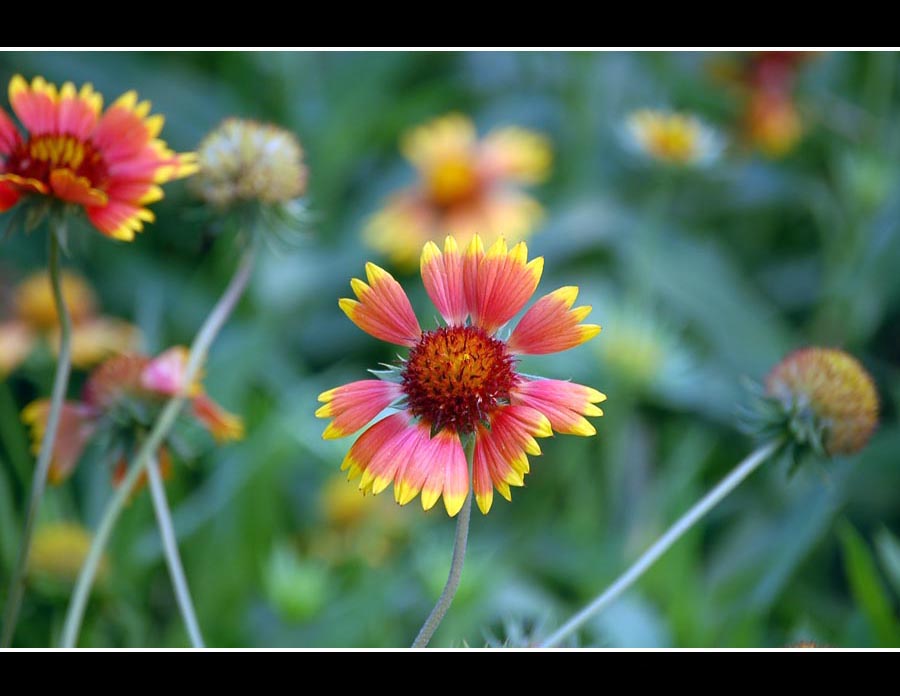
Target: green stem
pixel 456 565
pixel 158 433
pixel 673 534
pixel 170 546
pixel 39 481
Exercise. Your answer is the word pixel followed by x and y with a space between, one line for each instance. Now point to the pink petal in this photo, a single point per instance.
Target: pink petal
pixel 9 134
pixel 564 403
pixel 353 405
pixel 442 275
pixel 76 426
pixel 371 442
pixel 504 282
pixel 550 326
pixel 383 310
pixel 500 451
pixel 34 104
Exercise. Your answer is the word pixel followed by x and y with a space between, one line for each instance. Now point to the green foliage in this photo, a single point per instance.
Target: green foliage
pixel 716 272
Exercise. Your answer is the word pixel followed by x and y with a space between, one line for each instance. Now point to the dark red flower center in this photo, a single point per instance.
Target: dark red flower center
pixel 40 155
pixel 456 376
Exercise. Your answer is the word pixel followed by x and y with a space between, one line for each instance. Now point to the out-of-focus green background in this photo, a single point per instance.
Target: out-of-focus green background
pixel 750 258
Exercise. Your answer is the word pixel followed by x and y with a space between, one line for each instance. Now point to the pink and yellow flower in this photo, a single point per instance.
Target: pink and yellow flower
pixel 460 379
pixel 94 337
pixel 465 185
pixel 111 163
pixel 120 397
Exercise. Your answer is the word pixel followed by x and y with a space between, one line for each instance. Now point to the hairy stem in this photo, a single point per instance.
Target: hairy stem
pixel 456 565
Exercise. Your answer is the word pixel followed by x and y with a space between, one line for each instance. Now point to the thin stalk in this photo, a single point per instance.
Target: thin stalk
pixel 456 564
pixel 150 446
pixel 173 559
pixel 673 534
pixel 39 480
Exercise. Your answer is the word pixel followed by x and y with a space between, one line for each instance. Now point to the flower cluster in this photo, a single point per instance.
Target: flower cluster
pixel 33 316
pixel 110 163
pixel 465 186
pixel 120 400
pixel 460 380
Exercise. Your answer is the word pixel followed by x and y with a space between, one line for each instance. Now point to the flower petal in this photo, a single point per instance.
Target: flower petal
pixel 437 468
pixel 391 457
pixel 34 104
pixel 517 154
pixel 16 342
pixel 9 134
pixel 383 310
pixel 98 338
pixel 355 404
pixel 119 220
pixel 500 451
pixel 9 196
pixel 76 426
pixel 371 442
pixel 75 189
pixel 222 425
pixel 77 112
pixel 550 326
pixel 504 282
pixel 442 275
pixel 165 374
pixel 564 403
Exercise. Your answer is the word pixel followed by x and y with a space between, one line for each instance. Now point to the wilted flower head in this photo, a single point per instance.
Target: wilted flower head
pixel 33 316
pixel 672 138
pixel 465 186
pixel 58 552
pixel 120 400
pixel 111 164
pixel 244 161
pixel 827 400
pixel 460 379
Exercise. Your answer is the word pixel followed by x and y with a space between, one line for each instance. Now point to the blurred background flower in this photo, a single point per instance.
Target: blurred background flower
pixel 33 316
pixel 465 186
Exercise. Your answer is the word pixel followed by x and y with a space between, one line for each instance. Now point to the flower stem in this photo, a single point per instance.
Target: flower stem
pixel 39 481
pixel 150 446
pixel 456 565
pixel 173 560
pixel 673 534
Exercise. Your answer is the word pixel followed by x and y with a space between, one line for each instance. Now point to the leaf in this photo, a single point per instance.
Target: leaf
pixel 888 547
pixel 867 587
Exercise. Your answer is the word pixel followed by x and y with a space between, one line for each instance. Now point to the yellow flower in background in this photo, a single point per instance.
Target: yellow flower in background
pixel 672 138
pixel 59 551
pixel 94 337
pixel 242 161
pixel 355 526
pixel 465 185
